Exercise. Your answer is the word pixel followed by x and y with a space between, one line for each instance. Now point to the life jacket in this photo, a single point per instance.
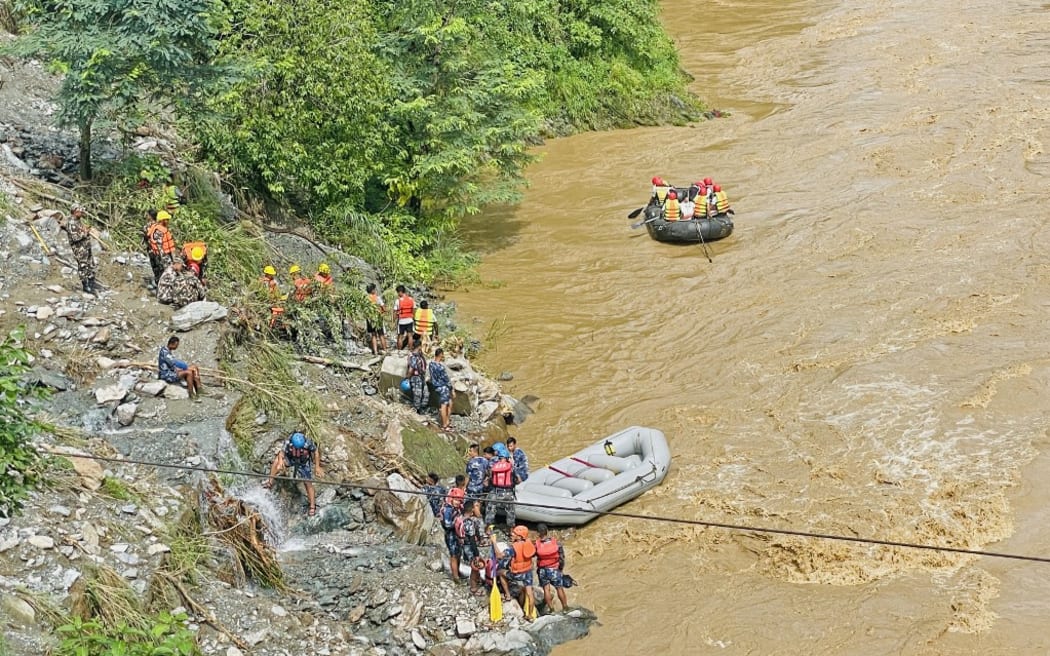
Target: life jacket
pixel 187 251
pixel 457 526
pixel 661 193
pixel 502 474
pixel 424 321
pixel 270 284
pixel 302 288
pixel 167 242
pixel 721 202
pixel 324 280
pixel 547 553
pixel 523 555
pixel 406 307
pixel 671 210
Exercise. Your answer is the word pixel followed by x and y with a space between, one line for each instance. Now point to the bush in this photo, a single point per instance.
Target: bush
pixel 18 459
pixel 166 635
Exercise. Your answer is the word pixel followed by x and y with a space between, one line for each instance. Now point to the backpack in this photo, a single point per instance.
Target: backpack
pixel 457 526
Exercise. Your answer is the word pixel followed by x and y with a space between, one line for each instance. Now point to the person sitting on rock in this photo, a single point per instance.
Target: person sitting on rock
pixel 174 371
pixel 179 287
pixel 302 455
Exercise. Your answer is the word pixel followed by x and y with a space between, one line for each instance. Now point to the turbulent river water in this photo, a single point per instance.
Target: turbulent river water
pixel 865 356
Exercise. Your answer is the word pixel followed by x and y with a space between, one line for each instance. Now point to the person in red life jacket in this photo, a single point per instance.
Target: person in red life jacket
pixel 473 533
pixel 273 292
pixel 550 561
pixel 161 244
pixel 672 211
pixel 323 277
pixel 404 314
pixel 374 326
pixel 502 480
pixel 451 515
pixel 519 556
pixel 302 455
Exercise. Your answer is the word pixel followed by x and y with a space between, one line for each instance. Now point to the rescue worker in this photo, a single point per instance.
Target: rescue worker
pixel 477 471
pixel 550 561
pixel 721 201
pixel 672 210
pixel 502 480
pixel 521 553
pixel 302 455
pixel 323 278
pixel 450 512
pixel 660 190
pixel 424 325
pixel 161 244
pixel 417 371
pixel 302 285
pixel 80 243
pixel 171 195
pixel 195 255
pixel 404 312
pixel 273 291
pixel 179 287
pixel 374 327
pixel 520 460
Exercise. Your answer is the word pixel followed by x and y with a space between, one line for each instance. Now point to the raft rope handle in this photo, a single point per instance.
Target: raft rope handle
pixel 598 513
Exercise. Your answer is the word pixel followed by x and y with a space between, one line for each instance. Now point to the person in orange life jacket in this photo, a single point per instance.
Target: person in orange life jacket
pixel 473 534
pixel 451 514
pixel 273 291
pixel 550 561
pixel 424 324
pixel 302 455
pixel 672 211
pixel 518 556
pixel 660 190
pixel 302 285
pixel 374 327
pixel 721 201
pixel 195 255
pixel 160 242
pixel 404 312
pixel 502 479
pixel 323 277
pixel 442 383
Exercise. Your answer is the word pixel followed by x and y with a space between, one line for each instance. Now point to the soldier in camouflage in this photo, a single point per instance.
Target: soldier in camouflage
pixel 178 286
pixel 80 243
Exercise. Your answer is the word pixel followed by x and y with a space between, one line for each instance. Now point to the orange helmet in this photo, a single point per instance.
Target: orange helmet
pixel 520 532
pixel 456 495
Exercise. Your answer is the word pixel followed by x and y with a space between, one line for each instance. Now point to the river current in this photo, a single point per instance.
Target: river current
pixel 865 356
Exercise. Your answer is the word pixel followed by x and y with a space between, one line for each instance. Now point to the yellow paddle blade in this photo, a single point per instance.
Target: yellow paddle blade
pixel 495 604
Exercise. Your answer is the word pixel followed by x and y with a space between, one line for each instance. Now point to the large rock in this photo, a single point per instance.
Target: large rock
pixel 126 413
pixel 463 401
pixel 110 393
pixel 44 378
pixel 176 392
pixel 90 471
pixel 152 388
pixel 552 630
pixel 197 313
pixel 494 642
pixel 409 514
pixel 17 610
pixel 393 444
pixel 512 407
pixel 392 372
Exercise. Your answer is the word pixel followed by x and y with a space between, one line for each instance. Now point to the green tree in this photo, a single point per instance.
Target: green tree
pixel 17 456
pixel 119 58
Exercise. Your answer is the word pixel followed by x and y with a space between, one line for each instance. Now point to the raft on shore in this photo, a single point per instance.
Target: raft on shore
pixel 599 477
pixel 714 228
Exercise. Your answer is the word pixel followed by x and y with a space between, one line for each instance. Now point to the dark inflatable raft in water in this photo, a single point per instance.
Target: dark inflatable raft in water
pixel 717 227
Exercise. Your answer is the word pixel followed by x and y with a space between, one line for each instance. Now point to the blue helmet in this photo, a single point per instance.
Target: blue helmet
pixel 298 440
pixel 406 386
pixel 501 450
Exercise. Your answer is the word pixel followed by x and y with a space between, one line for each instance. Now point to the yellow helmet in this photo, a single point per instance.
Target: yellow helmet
pixel 295 268
pixel 270 271
pixel 197 253
pixel 163 216
pixel 323 268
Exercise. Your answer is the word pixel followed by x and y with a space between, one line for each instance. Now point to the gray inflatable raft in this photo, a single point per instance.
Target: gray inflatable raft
pixel 592 479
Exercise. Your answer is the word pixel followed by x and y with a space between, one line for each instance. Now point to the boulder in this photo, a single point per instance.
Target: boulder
pixel 197 313
pixel 392 439
pixel 514 408
pixel 392 372
pixel 409 514
pixel 126 413
pixel 463 401
pixel 17 610
pixel 487 411
pixel 176 392
pixel 41 377
pixel 152 388
pixel 42 541
pixel 465 627
pixel 494 642
pixel 488 390
pixel 552 630
pixel 44 313
pixel 110 393
pixel 90 471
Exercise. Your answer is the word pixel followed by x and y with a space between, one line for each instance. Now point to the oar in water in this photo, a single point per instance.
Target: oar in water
pixel 635 213
pixel 639 224
pixel 702 242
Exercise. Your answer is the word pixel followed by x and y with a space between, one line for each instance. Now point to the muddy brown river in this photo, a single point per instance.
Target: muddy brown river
pixel 866 355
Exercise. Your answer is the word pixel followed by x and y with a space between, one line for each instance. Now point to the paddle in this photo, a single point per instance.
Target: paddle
pixel 641 223
pixel 495 598
pixel 635 213
pixel 702 242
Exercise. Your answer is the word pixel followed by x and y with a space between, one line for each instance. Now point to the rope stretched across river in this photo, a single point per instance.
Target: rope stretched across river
pixel 601 513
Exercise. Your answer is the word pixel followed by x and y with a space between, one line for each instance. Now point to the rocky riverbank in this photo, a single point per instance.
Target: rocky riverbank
pixel 364 576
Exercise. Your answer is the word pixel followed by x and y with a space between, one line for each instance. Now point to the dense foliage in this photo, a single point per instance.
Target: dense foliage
pixel 17 456
pixel 165 635
pixel 386 122
pixel 120 58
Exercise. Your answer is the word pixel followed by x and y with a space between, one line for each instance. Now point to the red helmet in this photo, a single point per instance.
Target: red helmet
pixel 672 194
pixel 701 189
pixel 718 188
pixel 708 182
pixel 657 180
pixel 196 267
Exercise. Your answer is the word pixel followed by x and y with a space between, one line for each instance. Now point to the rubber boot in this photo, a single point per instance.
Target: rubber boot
pixel 86 284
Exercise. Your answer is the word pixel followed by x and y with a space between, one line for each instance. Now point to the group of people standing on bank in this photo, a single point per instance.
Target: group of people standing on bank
pixel 702 199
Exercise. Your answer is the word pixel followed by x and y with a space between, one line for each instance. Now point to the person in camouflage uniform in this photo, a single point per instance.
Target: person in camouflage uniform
pixel 178 286
pixel 80 242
